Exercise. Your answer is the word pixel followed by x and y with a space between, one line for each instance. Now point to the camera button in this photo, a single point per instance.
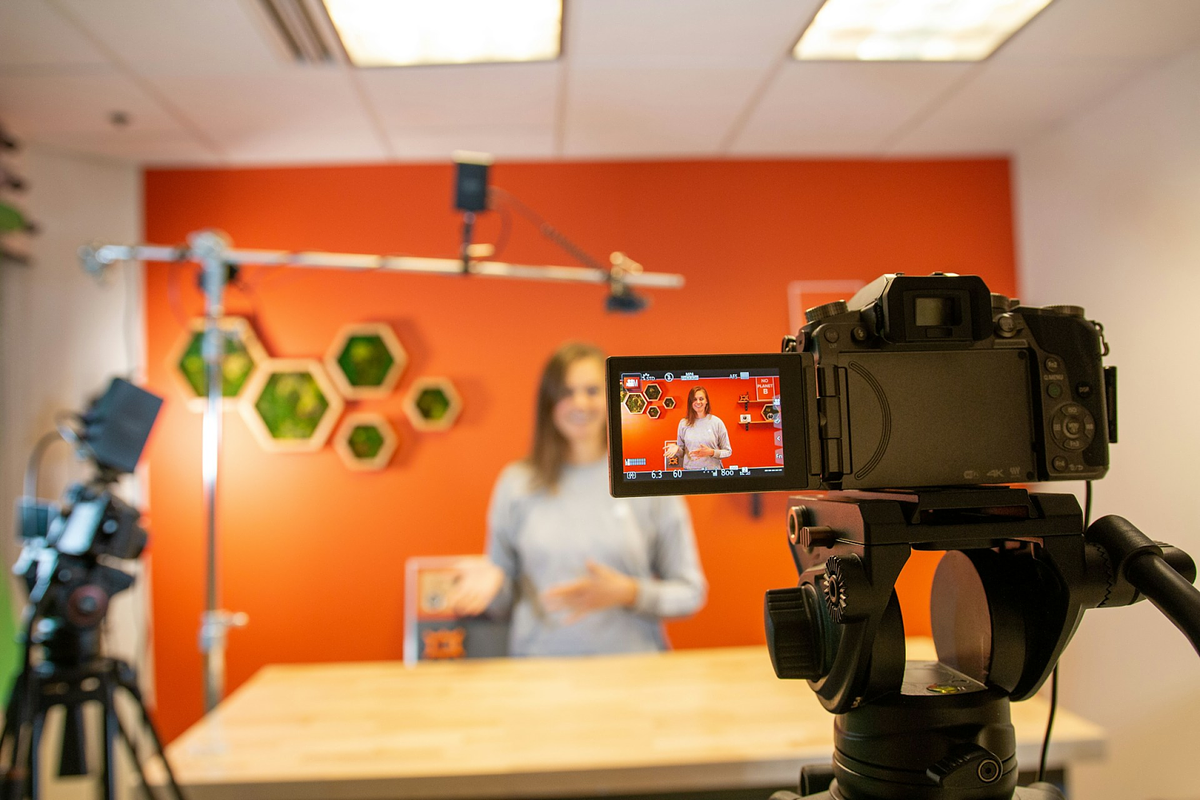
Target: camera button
pixel 1053 364
pixel 1073 444
pixel 1059 463
pixel 1054 390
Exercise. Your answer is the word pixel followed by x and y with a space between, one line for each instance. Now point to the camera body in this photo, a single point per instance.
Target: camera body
pixel 934 381
pixel 916 381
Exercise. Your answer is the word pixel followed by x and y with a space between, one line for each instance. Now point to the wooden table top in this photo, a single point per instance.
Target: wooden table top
pixel 678 721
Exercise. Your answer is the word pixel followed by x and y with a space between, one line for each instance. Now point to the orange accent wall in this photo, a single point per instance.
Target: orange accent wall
pixel 313 552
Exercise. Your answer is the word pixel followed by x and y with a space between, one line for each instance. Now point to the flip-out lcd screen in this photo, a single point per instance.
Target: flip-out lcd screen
pixel 702 424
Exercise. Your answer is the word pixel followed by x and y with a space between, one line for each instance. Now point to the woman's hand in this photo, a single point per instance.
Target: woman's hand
pixel 476 583
pixel 670 449
pixel 703 451
pixel 603 587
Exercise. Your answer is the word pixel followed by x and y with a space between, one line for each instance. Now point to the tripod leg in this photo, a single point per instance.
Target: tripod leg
pixel 15 721
pixel 11 736
pixel 111 725
pixel 35 741
pixel 133 753
pixel 129 683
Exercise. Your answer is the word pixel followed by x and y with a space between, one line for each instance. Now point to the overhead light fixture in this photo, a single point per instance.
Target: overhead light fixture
pixel 913 30
pixel 399 33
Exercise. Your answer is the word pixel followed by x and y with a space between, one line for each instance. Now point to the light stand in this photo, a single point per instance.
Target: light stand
pixel 212 251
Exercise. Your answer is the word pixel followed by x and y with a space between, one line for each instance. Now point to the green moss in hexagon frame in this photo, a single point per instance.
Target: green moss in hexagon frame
pixel 365 360
pixel 235 367
pixel 291 405
pixel 365 442
pixel 433 404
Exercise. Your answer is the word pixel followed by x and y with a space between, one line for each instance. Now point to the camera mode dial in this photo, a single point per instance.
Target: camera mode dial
pixel 1070 311
pixel 822 312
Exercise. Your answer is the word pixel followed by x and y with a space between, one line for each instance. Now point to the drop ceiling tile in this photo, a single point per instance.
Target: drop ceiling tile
pixel 646 112
pixel 34 35
pixel 673 33
pixel 322 98
pixel 299 145
pixel 504 142
pixel 838 108
pixel 142 147
pixel 1107 30
pixel 407 99
pixel 1004 105
pixel 179 36
pixel 36 104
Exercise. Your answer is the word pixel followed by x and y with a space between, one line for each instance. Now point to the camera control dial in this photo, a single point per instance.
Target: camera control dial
pixel 818 313
pixel 1073 427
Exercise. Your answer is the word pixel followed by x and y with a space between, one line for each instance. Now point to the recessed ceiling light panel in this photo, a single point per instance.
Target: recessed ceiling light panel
pixel 394 33
pixel 913 30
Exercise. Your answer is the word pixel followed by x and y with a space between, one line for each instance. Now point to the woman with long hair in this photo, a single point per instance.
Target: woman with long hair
pixel 702 439
pixel 580 572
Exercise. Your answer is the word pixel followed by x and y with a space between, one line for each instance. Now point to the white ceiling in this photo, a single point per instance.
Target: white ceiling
pixel 207 82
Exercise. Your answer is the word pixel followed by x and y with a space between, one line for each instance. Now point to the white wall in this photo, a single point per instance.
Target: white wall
pixel 1108 216
pixel 63 335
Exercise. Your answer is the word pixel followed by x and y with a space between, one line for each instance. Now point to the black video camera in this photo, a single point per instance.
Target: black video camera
pixel 68 548
pixel 915 382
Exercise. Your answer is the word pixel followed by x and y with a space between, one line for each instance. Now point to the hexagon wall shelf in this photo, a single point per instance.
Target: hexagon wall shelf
pixel 365 360
pixel 635 403
pixel 432 404
pixel 653 412
pixel 243 353
pixel 668 403
pixel 291 405
pixel 365 441
pixel 652 391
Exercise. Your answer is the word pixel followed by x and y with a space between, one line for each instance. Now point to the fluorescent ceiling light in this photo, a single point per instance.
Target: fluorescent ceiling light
pixel 913 30
pixel 391 33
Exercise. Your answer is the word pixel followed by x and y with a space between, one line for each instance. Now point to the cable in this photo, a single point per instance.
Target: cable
pixel 548 230
pixel 1049 723
pixel 505 231
pixel 1087 519
pixel 32 466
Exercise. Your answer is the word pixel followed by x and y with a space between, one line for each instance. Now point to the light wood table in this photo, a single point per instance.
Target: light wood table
pixel 672 722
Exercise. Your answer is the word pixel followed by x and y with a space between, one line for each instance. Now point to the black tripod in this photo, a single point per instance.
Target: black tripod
pixel 71 675
pixel 1018 572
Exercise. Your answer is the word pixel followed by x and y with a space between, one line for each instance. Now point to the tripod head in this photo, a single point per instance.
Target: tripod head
pixel 69 574
pixel 1018 573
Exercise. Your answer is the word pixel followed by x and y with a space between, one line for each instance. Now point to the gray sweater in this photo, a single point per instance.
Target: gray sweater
pixel 707 432
pixel 541 539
